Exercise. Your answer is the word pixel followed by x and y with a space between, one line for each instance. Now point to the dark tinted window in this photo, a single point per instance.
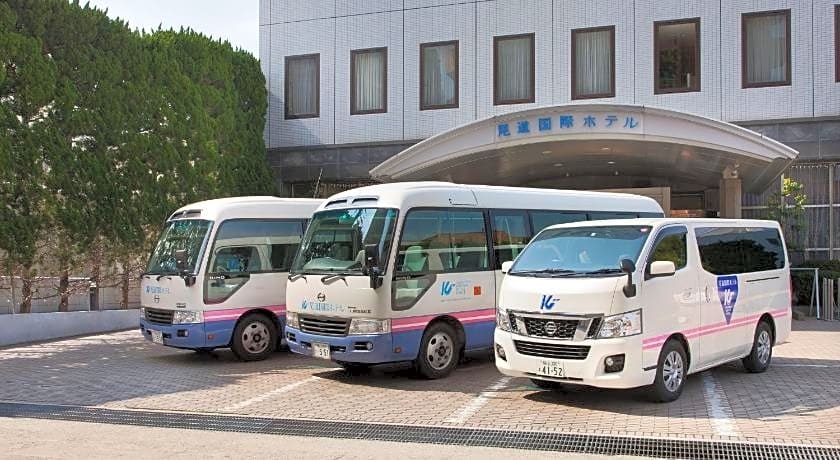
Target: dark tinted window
pixel 255 246
pixel 611 215
pixel 443 241
pixel 725 251
pixel 543 219
pixel 671 246
pixel 510 234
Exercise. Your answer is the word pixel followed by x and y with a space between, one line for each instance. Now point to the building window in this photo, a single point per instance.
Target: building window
pixel 302 86
pixel 837 43
pixel 593 63
pixel 369 81
pixel 438 75
pixel 677 55
pixel 513 69
pixel 765 49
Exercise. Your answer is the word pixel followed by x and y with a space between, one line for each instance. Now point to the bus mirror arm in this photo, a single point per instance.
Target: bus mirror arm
pixel 371 266
pixel 189 278
pixel 628 267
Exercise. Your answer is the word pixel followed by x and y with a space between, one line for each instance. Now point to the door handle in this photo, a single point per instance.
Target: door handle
pixel 708 296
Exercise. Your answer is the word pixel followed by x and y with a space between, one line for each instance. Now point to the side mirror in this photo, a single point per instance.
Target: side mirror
pixel 662 268
pixel 628 267
pixel 506 266
pixel 181 259
pixel 372 265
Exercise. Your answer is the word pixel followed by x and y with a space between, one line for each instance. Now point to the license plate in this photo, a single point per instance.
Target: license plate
pixel 157 337
pixel 321 350
pixel 551 369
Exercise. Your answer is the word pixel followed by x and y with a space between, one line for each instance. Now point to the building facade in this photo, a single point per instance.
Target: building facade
pixel 353 83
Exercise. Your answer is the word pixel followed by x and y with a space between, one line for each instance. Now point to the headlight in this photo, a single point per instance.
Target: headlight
pixel 292 320
pixel 363 326
pixel 143 312
pixel 623 325
pixel 502 319
pixel 188 317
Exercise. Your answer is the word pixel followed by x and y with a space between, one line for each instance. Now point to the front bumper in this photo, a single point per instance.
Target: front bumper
pixel 189 336
pixel 350 348
pixel 589 371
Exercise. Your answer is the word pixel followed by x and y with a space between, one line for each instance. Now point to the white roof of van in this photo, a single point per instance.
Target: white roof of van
pixel 662 221
pixel 444 194
pixel 249 207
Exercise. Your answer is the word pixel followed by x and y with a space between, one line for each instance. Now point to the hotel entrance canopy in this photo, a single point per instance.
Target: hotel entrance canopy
pixel 589 141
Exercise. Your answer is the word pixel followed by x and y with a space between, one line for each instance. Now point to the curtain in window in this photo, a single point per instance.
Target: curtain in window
pixel 302 94
pixel 766 44
pixel 370 81
pixel 514 69
pixel 593 66
pixel 440 75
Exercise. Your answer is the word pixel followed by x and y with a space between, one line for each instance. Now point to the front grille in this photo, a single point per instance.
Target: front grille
pixel 551 350
pixel 156 316
pixel 324 326
pixel 555 329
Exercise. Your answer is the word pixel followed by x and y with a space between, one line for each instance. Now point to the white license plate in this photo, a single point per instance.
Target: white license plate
pixel 157 337
pixel 550 368
pixel 321 350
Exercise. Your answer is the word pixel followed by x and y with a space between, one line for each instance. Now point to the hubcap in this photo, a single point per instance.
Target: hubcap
pixel 255 337
pixel 440 350
pixel 672 371
pixel 764 347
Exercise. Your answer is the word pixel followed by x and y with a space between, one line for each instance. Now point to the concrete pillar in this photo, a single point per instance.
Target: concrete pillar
pixel 730 198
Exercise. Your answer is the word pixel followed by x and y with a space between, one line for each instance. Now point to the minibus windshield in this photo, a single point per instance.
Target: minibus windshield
pixel 187 235
pixel 581 251
pixel 335 240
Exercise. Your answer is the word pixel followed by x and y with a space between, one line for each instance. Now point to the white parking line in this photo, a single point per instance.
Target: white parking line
pixel 720 412
pixel 478 402
pixel 825 366
pixel 270 394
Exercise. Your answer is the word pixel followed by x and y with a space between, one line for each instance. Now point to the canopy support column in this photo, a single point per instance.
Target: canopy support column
pixel 730 194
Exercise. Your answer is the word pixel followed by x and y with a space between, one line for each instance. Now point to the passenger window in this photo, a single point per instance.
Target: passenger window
pixel 734 250
pixel 441 241
pixel 510 234
pixel 671 246
pixel 543 219
pixel 246 246
pixel 611 215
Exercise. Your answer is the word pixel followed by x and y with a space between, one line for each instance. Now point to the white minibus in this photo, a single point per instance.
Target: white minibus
pixel 644 302
pixel 217 276
pixel 409 271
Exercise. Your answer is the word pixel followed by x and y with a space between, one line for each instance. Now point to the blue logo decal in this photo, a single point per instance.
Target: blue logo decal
pixel 547 302
pixel 727 287
pixel 446 288
pixel 303 305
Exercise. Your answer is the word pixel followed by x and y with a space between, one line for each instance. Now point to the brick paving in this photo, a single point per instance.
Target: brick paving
pixel 796 401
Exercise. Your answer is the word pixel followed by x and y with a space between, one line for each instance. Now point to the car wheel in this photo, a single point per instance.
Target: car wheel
pixel 439 351
pixel 671 372
pixel 762 350
pixel 254 338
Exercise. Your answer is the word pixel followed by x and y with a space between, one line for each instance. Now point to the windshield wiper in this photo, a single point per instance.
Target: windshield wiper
pixel 546 271
pixel 294 276
pixel 334 276
pixel 602 271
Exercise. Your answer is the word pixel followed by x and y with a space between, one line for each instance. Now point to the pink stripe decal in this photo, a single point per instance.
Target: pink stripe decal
pixel 657 341
pixel 412 323
pixel 234 313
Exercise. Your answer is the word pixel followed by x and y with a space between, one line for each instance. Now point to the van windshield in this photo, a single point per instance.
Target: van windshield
pixel 179 235
pixel 581 251
pixel 335 240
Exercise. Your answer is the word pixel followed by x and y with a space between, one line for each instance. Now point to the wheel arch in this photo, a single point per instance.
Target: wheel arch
pixel 682 340
pixel 768 318
pixel 258 311
pixel 457 325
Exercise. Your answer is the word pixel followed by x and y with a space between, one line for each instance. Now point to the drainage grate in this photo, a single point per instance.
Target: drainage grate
pixel 558 442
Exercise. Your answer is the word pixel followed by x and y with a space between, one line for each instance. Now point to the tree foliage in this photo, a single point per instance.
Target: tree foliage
pixel 788 208
pixel 107 130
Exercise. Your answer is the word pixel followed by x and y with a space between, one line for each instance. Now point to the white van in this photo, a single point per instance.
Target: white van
pixel 409 271
pixel 217 277
pixel 643 302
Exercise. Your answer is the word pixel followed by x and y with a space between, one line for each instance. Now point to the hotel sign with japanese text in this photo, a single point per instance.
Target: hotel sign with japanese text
pixel 569 123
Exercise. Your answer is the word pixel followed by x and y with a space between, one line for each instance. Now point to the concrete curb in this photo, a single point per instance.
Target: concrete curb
pixel 37 327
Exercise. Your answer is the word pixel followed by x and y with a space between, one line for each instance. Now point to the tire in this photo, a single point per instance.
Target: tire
pixel 439 352
pixel 549 385
pixel 671 372
pixel 254 338
pixel 354 368
pixel 762 349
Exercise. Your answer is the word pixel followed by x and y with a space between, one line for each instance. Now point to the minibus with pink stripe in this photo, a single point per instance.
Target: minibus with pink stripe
pixel 217 276
pixel 408 272
pixel 643 302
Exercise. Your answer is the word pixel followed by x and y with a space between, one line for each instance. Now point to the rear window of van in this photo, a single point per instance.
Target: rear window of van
pixel 734 250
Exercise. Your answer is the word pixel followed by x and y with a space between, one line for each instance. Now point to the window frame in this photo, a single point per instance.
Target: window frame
pixel 384 92
pixel 739 229
pixel 697 85
pixel 837 43
pixel 663 233
pixel 317 113
pixel 212 246
pixel 491 215
pixel 611 93
pixel 496 40
pixel 744 18
pixel 422 79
